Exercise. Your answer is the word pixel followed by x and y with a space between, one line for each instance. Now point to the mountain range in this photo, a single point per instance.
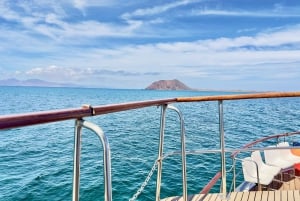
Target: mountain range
pixel 34 83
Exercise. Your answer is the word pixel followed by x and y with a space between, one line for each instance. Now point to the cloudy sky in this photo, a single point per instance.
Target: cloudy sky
pixel 207 44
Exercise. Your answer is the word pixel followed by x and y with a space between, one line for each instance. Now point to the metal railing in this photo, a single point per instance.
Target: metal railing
pixel 161 154
pixel 250 148
pixel 79 124
pixel 28 119
pixel 34 118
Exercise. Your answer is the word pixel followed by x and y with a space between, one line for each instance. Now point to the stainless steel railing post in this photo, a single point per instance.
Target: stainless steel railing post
pixel 160 151
pixel 76 166
pixel 234 173
pixel 222 147
pixel 183 152
pixel 106 159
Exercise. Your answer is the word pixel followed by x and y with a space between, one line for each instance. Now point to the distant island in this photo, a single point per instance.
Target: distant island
pixel 33 83
pixel 157 85
pixel 168 85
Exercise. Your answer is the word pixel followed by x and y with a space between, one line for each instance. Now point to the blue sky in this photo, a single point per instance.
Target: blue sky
pixel 207 44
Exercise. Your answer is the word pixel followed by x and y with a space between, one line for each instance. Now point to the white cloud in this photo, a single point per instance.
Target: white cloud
pixel 282 46
pixel 59 73
pixel 82 4
pixel 7 13
pixel 221 52
pixel 276 39
pixel 276 12
pixel 223 59
pixel 52 23
pixel 265 55
pixel 156 9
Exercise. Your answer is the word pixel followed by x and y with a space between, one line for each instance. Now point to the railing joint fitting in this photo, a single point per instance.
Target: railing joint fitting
pixel 92 109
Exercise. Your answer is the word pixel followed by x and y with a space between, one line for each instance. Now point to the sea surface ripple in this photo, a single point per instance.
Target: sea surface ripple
pixel 36 162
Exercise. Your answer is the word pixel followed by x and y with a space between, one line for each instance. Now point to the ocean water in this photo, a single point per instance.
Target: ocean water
pixel 36 162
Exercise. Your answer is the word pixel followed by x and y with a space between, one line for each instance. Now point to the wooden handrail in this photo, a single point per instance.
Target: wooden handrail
pixel 27 119
pixel 240 96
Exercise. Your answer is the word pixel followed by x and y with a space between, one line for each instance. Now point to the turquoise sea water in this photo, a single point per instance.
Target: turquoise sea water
pixel 36 162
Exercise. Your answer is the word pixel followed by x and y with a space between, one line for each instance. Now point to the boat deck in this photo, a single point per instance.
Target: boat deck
pixel 288 191
pixel 285 195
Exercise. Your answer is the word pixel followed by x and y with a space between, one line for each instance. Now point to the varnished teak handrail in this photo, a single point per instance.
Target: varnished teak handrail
pixel 240 96
pixel 27 119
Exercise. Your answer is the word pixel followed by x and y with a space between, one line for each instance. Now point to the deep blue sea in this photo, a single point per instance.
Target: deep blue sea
pixel 36 162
